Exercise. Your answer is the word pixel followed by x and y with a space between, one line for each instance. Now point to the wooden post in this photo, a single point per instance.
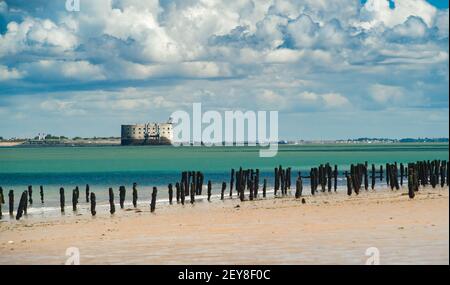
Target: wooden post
pixel 298 188
pixel 182 193
pixel 177 189
pixel 222 193
pixel 122 195
pixel 11 202
pixel 442 170
pixel 366 177
pixel 135 195
pixel 93 204
pixel 202 178
pixel 381 172
pixel 87 193
pixel 241 190
pixel 74 200
pixel 231 182
pixel 276 181
pixel 153 202
pixel 349 185
pixel 170 193
pixel 335 173
pixel 62 200
pixel 41 192
pixel 192 193
pixel 256 183
pixel 22 203
pixel 411 192
pixel 30 194
pixel 448 173
pixel 329 177
pixel 373 176
pixel 2 198
pixel 402 173
pixel 264 187
pixel 251 186
pixel 209 190
pixel 112 206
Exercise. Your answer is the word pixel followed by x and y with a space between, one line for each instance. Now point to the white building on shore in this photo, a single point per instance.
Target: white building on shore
pixel 148 133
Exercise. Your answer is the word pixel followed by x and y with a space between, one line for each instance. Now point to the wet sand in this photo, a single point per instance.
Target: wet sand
pixel 327 229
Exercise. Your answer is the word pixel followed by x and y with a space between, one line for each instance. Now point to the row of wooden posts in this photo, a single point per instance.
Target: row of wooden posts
pixel 420 173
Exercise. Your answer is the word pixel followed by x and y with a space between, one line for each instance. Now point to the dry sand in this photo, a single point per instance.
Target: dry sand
pixel 328 229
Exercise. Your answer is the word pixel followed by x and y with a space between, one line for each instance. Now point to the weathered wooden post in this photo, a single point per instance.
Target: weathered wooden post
pixel 122 194
pixel 329 177
pixel 41 192
pixel 388 174
pixel 62 200
pixel 298 188
pixel 222 193
pixel 241 190
pixel 21 207
pixel 192 192
pixel 373 176
pixel 231 182
pixel 312 179
pixel 74 200
pixel 11 202
pixel 202 178
pixel 448 173
pixel 135 195
pixel 178 193
pixel 349 185
pixel 153 202
pixel 411 192
pixel 2 198
pixel 256 183
pixel 197 183
pixel 251 186
pixel 182 193
pixel 402 173
pixel 335 175
pixel 276 181
pixel 381 172
pixel 264 187
pixel 77 193
pixel 209 190
pixel 93 204
pixel 170 193
pixel 87 193
pixel 30 194
pixel 442 170
pixel 366 177
pixel 112 206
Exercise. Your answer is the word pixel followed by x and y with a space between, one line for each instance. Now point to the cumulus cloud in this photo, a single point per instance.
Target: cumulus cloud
pixel 296 56
pixel 9 73
pixel 384 94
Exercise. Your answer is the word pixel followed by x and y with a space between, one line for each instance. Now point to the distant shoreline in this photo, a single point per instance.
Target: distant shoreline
pixel 105 143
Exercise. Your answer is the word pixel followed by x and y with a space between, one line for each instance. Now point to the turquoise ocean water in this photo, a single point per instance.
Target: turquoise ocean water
pixel 104 167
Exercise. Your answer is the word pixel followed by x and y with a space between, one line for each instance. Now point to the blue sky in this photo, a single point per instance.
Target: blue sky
pixel 333 69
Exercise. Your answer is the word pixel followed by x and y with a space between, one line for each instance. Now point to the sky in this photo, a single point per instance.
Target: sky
pixel 333 69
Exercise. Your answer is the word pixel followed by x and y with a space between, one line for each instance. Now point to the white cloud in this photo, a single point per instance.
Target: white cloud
pixel 385 94
pixel 378 12
pixel 9 73
pixel 50 70
pixel 335 100
pixel 295 56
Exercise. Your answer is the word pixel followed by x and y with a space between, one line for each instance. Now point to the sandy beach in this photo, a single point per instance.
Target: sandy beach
pixel 326 229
